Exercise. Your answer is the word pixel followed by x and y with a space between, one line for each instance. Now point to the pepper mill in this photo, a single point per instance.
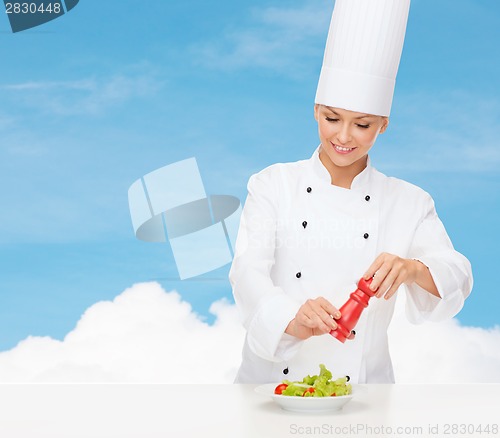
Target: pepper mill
pixel 351 310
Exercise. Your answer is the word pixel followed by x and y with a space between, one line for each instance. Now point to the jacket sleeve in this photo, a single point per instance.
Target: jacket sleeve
pixel 450 270
pixel 265 308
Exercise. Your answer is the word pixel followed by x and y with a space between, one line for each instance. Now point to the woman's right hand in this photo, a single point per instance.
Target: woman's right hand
pixel 314 318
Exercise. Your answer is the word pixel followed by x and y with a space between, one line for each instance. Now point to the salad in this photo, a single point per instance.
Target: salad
pixel 320 385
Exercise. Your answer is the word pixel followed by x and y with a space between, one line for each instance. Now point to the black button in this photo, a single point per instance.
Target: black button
pixel 285 371
pixel 304 224
pixel 367 198
pixel 298 275
pixel 347 378
pixel 309 190
pixel 366 235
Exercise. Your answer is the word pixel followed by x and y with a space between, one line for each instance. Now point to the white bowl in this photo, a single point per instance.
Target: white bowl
pixel 304 404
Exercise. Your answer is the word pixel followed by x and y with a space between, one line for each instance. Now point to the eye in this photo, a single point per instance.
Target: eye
pixel 330 119
pixel 363 126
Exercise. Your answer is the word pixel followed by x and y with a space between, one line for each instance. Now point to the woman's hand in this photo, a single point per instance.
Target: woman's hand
pixel 390 272
pixel 314 318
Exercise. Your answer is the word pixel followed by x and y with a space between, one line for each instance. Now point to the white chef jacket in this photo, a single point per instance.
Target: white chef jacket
pixel 301 237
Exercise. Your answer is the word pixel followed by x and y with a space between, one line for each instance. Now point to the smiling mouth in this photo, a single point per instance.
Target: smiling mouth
pixel 342 149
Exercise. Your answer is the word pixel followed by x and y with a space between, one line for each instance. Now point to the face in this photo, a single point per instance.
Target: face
pixel 346 136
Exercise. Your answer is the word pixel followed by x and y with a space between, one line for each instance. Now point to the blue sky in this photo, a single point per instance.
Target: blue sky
pixel 113 90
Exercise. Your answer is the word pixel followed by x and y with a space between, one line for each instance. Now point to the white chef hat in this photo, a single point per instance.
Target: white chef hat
pixel 362 55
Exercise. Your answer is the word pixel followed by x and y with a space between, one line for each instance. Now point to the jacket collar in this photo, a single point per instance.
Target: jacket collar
pixel 360 180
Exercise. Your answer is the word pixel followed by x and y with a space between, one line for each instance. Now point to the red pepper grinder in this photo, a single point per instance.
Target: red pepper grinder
pixel 351 310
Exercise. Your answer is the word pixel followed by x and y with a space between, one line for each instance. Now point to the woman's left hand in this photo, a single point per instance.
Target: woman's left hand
pixel 390 272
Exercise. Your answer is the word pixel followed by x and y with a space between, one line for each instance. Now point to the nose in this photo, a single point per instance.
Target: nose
pixel 344 134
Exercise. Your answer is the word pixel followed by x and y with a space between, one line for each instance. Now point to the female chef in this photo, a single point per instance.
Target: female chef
pixel 311 229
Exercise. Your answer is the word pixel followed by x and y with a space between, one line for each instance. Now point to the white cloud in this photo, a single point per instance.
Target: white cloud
pixel 143 335
pixel 281 39
pixel 148 335
pixel 445 131
pixel 445 352
pixel 90 95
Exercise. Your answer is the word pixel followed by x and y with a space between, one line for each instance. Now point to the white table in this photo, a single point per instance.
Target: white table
pixel 164 410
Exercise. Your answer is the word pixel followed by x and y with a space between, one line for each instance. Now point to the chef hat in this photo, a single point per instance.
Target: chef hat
pixel 362 55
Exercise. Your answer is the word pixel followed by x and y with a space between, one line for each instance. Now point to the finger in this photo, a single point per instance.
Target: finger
pixel 320 324
pixel 308 309
pixel 395 286
pixel 302 320
pixel 308 317
pixel 397 271
pixel 378 280
pixel 387 283
pixel 330 322
pixel 319 314
pixel 327 319
pixel 325 311
pixel 374 267
pixel 328 307
pixel 304 315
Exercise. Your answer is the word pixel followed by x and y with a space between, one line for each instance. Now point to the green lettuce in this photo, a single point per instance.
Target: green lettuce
pixel 322 385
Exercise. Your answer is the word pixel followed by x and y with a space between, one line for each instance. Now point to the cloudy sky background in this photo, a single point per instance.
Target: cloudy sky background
pixel 147 335
pixel 114 90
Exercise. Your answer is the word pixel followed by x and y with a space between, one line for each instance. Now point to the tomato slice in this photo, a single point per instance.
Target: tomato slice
pixel 280 388
pixel 311 390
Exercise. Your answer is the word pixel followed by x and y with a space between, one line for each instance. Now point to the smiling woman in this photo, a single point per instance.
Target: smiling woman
pixel 80 124
pixel 346 137
pixel 289 294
